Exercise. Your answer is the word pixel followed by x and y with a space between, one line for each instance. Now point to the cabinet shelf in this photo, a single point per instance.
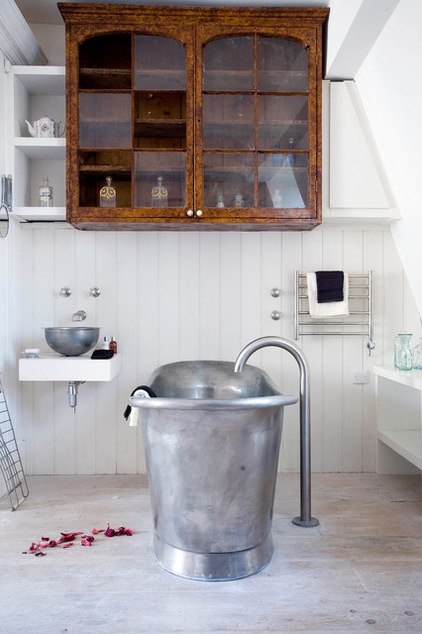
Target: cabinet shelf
pixel 160 128
pixel 117 169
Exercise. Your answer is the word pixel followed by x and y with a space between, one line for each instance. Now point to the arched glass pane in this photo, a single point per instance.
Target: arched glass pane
pixel 282 65
pixel 160 63
pixel 228 64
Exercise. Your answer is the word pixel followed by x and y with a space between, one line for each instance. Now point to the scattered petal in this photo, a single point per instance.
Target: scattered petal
pixel 68 539
pixel 86 540
pixel 110 532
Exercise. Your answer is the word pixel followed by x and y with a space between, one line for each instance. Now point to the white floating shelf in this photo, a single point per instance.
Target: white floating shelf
pixel 40 214
pixel 54 367
pixel 42 80
pixel 35 148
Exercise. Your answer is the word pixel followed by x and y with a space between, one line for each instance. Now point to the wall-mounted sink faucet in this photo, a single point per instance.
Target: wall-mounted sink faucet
pixel 80 315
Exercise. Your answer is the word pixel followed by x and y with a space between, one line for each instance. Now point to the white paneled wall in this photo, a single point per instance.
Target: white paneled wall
pixel 177 296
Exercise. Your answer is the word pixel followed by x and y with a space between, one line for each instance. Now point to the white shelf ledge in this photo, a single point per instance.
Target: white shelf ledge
pixel 54 367
pixel 42 80
pixel 407 443
pixel 411 378
pixel 40 214
pixel 47 149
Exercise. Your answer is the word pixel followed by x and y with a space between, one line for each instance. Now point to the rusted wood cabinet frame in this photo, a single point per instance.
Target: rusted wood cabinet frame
pixel 193 27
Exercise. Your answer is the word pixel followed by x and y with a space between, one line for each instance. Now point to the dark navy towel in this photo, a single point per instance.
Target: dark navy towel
pixel 329 286
pixel 146 389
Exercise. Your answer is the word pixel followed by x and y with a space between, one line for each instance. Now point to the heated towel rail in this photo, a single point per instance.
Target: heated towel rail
pixel 358 322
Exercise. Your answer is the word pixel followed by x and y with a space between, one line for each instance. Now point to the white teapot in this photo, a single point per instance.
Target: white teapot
pixel 45 128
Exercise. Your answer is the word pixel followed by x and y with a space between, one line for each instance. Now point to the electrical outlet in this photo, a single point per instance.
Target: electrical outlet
pixel 360 377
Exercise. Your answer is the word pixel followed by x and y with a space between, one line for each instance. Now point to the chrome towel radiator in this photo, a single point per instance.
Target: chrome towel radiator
pixel 359 321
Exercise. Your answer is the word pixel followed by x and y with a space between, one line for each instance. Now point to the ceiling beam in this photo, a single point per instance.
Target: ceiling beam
pixel 367 24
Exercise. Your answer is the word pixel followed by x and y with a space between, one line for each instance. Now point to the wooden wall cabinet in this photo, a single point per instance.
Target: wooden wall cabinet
pixel 204 118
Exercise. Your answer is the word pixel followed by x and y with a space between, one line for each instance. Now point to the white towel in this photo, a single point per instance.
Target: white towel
pixel 134 416
pixel 328 309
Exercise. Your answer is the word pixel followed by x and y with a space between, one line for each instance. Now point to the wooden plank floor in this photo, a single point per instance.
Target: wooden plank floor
pixel 359 571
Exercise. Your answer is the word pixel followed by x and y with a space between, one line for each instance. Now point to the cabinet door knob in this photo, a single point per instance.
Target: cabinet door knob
pixel 199 213
pixel 189 213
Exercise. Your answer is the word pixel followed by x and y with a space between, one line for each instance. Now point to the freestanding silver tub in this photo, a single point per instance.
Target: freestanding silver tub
pixel 212 440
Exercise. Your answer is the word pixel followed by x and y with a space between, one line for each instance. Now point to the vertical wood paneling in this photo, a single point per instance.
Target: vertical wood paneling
pixel 230 295
pixel 190 325
pixel 353 349
pixel 312 260
pixel 291 259
pixel 174 296
pixel 250 316
pixel 85 418
pixel 44 432
pixel 128 301
pixel 106 278
pixel 332 370
pixel 209 296
pixel 168 297
pixel 373 246
pixel 64 422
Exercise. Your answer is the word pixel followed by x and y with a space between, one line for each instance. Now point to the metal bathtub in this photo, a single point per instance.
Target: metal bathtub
pixel 212 440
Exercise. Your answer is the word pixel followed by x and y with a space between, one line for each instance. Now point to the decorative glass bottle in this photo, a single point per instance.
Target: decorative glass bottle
pixel 277 199
pixel 290 158
pixel 238 200
pixel 403 351
pixel 159 194
pixel 220 201
pixel 417 356
pixel 46 194
pixel 108 194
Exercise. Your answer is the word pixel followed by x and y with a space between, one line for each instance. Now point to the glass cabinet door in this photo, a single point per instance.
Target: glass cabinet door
pixel 132 121
pixel 255 124
pixel 159 122
pixel 105 118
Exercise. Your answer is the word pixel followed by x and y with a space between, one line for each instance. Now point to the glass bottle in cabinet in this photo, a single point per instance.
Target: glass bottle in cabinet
pixel 108 194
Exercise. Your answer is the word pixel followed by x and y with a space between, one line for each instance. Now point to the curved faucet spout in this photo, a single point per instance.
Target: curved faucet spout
pixel 80 315
pixel 305 518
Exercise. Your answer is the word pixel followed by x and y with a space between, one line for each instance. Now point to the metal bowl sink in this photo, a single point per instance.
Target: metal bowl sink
pixel 71 341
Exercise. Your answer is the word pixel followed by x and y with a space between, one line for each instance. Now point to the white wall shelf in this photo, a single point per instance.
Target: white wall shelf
pixel 39 214
pixel 48 149
pixel 53 367
pixel 399 420
pixel 35 91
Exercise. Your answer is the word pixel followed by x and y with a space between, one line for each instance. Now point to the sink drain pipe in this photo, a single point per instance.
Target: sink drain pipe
pixel 305 519
pixel 72 392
